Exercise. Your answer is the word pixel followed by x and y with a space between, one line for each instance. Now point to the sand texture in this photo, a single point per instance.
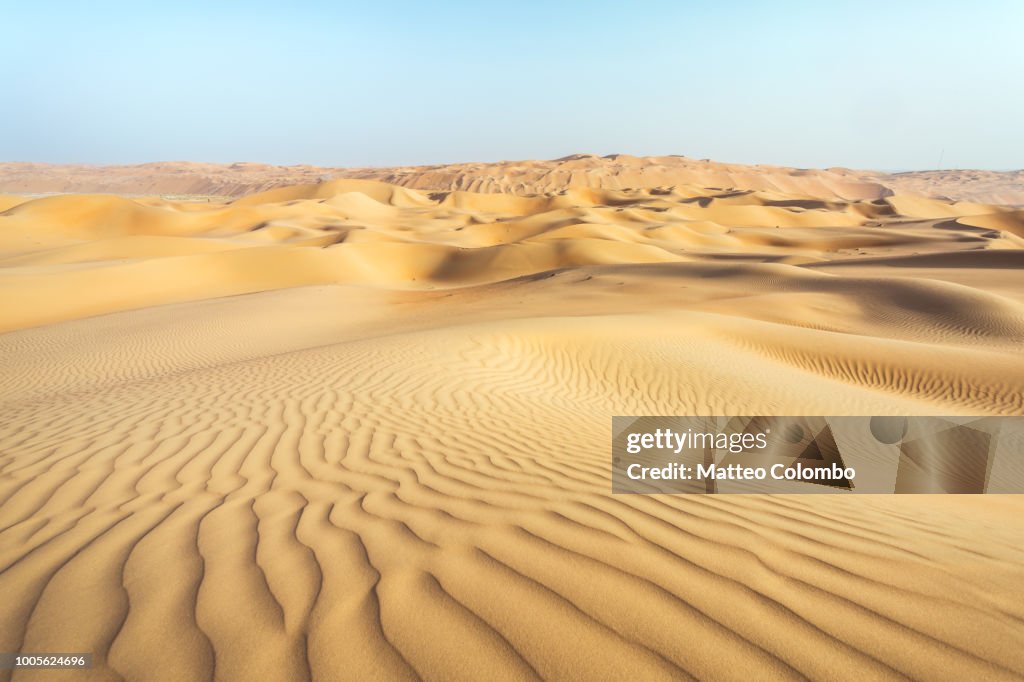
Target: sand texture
pixel 355 430
pixel 615 171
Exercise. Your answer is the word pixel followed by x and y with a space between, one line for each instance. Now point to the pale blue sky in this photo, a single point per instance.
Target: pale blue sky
pixel 887 85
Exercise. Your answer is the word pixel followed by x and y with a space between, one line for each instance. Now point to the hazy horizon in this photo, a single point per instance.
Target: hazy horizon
pixel 230 162
pixel 916 87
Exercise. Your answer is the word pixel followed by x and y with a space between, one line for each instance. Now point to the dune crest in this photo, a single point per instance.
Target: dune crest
pixel 613 172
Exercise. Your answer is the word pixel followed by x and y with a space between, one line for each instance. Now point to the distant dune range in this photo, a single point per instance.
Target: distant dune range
pixel 617 171
pixel 358 430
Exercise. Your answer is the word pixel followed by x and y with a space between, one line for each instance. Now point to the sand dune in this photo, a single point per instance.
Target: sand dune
pixel 993 187
pixel 615 172
pixel 369 233
pixel 354 430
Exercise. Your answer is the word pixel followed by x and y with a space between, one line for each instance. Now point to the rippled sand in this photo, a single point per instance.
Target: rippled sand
pixel 357 431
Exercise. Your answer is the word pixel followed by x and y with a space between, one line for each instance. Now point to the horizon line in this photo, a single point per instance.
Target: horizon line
pixel 567 157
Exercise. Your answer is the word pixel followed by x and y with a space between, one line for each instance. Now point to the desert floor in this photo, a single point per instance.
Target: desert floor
pixel 357 431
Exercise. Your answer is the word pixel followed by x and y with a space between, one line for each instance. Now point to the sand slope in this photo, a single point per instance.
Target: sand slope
pixel 351 430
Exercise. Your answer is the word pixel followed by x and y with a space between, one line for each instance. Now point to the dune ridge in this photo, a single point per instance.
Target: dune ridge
pixel 356 430
pixel 374 234
pixel 614 172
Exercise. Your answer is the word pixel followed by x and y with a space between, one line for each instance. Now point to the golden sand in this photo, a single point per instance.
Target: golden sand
pixel 351 430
